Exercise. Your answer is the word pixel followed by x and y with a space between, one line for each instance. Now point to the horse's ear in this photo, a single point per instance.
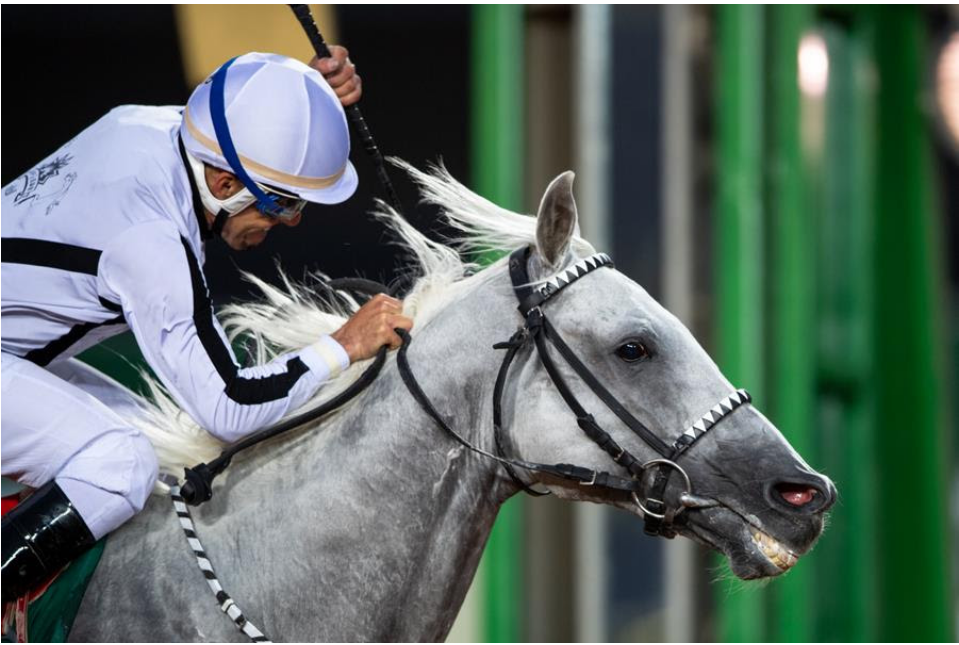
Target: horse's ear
pixel 556 222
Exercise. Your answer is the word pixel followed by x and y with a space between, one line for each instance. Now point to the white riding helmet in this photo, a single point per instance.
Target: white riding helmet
pixel 286 124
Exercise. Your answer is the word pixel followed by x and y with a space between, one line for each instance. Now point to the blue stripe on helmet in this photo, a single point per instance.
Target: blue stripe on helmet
pixel 264 202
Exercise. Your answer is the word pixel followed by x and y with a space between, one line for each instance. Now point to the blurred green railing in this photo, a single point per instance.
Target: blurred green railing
pixel 498 155
pixel 828 308
pixel 740 243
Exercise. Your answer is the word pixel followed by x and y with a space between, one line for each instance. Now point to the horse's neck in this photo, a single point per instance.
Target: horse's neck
pixel 382 503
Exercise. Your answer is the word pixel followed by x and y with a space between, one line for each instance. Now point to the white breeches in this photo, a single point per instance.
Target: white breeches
pixel 61 423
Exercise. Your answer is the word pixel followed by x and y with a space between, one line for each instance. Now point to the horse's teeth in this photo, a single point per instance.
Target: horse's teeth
pixel 774 551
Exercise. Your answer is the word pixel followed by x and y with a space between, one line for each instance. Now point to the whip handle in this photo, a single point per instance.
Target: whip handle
pixel 303 14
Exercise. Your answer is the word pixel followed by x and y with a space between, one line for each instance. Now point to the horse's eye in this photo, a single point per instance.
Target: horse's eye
pixel 632 352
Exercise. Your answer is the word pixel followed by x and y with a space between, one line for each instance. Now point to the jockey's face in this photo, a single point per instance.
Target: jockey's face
pixel 249 227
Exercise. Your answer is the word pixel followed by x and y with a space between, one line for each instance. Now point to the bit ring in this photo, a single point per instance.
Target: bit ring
pixel 662 462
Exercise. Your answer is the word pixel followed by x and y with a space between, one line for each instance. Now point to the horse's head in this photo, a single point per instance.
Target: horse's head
pixel 752 496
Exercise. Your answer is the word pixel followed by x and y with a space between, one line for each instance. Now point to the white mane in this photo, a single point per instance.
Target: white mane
pixel 290 317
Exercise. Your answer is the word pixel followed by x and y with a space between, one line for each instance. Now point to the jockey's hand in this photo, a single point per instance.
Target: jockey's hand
pixel 371 327
pixel 341 74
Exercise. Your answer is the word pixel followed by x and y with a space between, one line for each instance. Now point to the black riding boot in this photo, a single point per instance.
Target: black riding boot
pixel 39 537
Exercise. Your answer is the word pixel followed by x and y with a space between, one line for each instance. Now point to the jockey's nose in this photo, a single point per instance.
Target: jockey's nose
pixel 811 494
pixel 292 222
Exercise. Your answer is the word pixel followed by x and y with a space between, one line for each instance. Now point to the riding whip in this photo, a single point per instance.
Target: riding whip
pixel 303 14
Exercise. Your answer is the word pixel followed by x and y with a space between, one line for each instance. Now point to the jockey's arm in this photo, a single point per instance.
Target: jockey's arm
pixel 154 275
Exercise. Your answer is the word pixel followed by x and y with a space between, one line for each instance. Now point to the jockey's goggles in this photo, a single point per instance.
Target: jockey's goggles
pixel 281 205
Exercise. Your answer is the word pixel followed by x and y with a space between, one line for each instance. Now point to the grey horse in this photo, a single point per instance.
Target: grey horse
pixel 370 526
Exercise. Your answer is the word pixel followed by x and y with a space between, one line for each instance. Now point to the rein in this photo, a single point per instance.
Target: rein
pixel 198 480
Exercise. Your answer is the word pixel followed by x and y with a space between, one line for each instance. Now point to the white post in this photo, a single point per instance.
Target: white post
pixel 678 267
pixel 593 143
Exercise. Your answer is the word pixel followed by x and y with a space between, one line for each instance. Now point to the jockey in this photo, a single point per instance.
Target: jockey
pixel 109 233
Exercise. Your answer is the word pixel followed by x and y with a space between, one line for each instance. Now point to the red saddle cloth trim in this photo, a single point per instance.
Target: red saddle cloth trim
pixel 9 503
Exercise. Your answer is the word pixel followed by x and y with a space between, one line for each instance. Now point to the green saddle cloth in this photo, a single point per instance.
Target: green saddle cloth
pixel 50 613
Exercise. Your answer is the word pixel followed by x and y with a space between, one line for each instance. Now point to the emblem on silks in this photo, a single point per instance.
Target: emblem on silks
pixel 35 184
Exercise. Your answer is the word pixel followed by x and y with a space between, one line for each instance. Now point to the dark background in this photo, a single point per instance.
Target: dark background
pixel 64 68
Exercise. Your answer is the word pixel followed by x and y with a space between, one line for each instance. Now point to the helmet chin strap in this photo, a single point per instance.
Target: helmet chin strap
pixel 224 208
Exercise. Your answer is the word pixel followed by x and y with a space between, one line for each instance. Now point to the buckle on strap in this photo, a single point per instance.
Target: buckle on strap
pixel 534 319
pixel 530 302
pixel 658 510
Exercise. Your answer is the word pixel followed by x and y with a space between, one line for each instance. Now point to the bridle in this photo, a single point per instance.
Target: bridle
pixel 537 330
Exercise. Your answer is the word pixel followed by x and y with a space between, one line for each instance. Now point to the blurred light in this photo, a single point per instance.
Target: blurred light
pixel 947 87
pixel 813 65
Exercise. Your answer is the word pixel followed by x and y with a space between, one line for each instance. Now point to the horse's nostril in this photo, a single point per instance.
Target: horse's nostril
pixel 796 494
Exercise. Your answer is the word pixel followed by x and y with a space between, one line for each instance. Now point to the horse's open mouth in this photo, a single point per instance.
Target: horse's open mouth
pixel 756 554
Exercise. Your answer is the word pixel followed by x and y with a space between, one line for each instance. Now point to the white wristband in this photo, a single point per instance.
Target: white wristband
pixel 333 355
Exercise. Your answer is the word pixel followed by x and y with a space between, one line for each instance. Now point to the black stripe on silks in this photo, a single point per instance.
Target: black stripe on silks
pixel 110 306
pixel 198 209
pixel 242 390
pixel 43 356
pixel 55 255
pixel 267 388
pixel 218 223
pixel 222 597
